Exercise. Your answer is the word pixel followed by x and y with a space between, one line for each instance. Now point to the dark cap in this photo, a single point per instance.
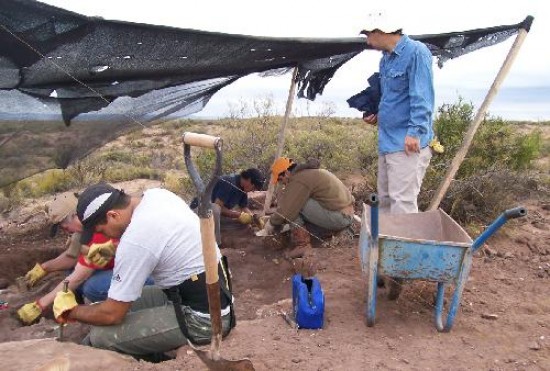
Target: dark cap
pixel 256 177
pixel 93 204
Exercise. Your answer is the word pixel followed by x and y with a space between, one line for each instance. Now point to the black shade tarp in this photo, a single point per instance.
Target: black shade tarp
pixel 56 65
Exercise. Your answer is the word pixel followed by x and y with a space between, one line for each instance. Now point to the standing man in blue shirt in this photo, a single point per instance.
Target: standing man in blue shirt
pixel 230 198
pixel 404 116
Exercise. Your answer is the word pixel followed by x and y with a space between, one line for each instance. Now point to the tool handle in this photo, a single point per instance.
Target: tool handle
pixel 62 326
pixel 209 252
pixel 201 140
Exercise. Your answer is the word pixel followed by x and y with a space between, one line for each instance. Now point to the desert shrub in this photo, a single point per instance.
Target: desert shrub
pixel 329 145
pixel 135 135
pixel 11 197
pixel 115 156
pixel 252 144
pixel 5 203
pixel 47 182
pixel 495 144
pixel 63 155
pixel 497 152
pixel 120 174
pixel 174 182
pixel 87 171
pixel 481 197
pixel 137 144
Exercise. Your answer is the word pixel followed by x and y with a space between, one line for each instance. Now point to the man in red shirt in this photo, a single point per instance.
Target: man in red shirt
pixel 90 279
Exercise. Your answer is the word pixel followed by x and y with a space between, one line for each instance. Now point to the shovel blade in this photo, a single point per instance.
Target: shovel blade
pixel 222 364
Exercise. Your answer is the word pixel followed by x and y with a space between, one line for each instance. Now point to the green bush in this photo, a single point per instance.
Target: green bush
pixel 121 174
pixel 495 143
pixel 497 148
pixel 488 174
pixel 48 182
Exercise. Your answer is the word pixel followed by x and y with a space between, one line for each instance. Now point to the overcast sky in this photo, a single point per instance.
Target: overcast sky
pixel 525 94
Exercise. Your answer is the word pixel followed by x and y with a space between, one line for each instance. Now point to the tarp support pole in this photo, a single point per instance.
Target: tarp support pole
pixel 461 154
pixel 281 137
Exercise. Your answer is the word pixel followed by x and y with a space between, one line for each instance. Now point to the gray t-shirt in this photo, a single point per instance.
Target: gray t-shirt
pixel 163 241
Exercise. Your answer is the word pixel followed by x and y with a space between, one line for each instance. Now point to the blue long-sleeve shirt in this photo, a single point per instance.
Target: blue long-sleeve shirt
pixel 407 103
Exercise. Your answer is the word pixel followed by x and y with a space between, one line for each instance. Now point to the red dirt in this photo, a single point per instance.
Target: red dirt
pixel 511 284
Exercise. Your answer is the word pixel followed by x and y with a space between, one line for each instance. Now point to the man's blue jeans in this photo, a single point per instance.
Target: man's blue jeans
pixel 97 286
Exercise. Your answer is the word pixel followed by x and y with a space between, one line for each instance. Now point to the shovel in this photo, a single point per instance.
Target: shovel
pixel 212 359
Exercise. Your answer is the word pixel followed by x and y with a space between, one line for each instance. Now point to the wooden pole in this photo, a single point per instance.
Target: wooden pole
pixel 281 137
pixel 461 154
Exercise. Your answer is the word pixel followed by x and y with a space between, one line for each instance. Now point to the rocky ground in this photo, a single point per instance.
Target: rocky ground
pixel 503 322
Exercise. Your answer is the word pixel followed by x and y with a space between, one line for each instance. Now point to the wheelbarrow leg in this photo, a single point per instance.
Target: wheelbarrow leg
pixel 373 262
pixel 372 285
pixel 455 301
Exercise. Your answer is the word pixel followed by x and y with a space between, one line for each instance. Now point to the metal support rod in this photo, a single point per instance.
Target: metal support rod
pixel 461 154
pixel 281 138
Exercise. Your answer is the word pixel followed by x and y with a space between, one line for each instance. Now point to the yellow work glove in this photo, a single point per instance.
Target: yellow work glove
pixel 35 275
pixel 29 313
pixel 63 302
pixel 260 220
pixel 245 218
pixel 101 253
pixel 436 146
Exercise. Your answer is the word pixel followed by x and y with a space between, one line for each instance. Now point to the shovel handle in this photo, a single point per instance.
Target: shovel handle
pixel 202 140
pixel 208 240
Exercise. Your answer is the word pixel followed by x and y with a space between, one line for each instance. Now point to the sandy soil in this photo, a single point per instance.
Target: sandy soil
pixel 503 322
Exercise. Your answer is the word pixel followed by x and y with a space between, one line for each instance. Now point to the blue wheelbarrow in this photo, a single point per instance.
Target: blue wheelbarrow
pixel 423 246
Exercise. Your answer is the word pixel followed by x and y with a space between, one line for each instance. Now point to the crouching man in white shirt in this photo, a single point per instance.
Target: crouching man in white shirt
pixel 159 237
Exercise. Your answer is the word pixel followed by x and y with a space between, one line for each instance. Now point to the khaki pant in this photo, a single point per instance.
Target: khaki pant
pixel 399 180
pixel 151 327
pixel 314 213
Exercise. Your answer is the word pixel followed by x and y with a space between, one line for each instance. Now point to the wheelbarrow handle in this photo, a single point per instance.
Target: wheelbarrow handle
pixel 202 140
pixel 516 212
pixel 499 222
pixel 372 200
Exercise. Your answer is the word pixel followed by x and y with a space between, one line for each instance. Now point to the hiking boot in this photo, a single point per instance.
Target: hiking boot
pixel 301 243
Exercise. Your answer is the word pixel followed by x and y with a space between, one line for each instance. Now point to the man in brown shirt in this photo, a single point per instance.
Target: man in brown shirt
pixel 310 195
